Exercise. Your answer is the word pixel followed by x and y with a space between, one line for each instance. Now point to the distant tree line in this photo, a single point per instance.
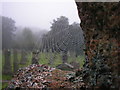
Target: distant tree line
pixel 18 37
pixel 63 37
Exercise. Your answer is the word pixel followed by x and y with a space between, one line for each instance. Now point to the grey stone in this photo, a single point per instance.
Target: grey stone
pixel 65 66
pixel 75 64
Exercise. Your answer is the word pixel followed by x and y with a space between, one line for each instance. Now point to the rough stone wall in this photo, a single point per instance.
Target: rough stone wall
pixel 100 22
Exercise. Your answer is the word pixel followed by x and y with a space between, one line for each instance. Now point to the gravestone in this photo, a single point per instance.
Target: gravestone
pixel 7 69
pixel 64 57
pixel 52 58
pixel 35 57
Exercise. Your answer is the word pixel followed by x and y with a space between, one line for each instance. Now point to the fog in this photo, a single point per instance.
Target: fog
pixel 39 14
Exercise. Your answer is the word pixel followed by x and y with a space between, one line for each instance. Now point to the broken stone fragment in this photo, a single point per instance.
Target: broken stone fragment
pixel 65 66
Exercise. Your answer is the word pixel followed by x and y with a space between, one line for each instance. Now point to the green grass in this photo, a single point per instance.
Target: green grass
pixel 6 77
pixel 43 59
pixel 28 62
pixel 4 85
pixel 81 60
pixel 58 60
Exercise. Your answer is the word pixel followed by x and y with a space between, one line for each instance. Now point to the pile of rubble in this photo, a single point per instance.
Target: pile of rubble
pixel 43 76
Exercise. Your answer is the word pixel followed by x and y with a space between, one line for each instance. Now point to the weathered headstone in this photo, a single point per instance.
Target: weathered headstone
pixel 64 57
pixel 35 57
pixel 52 57
pixel 7 69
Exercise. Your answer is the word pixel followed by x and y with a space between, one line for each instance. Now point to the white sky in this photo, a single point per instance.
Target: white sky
pixel 34 13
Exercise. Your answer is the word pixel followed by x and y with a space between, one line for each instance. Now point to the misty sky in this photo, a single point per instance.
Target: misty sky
pixel 39 14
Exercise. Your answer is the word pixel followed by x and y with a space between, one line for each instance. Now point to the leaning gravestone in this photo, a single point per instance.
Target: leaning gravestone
pixel 64 58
